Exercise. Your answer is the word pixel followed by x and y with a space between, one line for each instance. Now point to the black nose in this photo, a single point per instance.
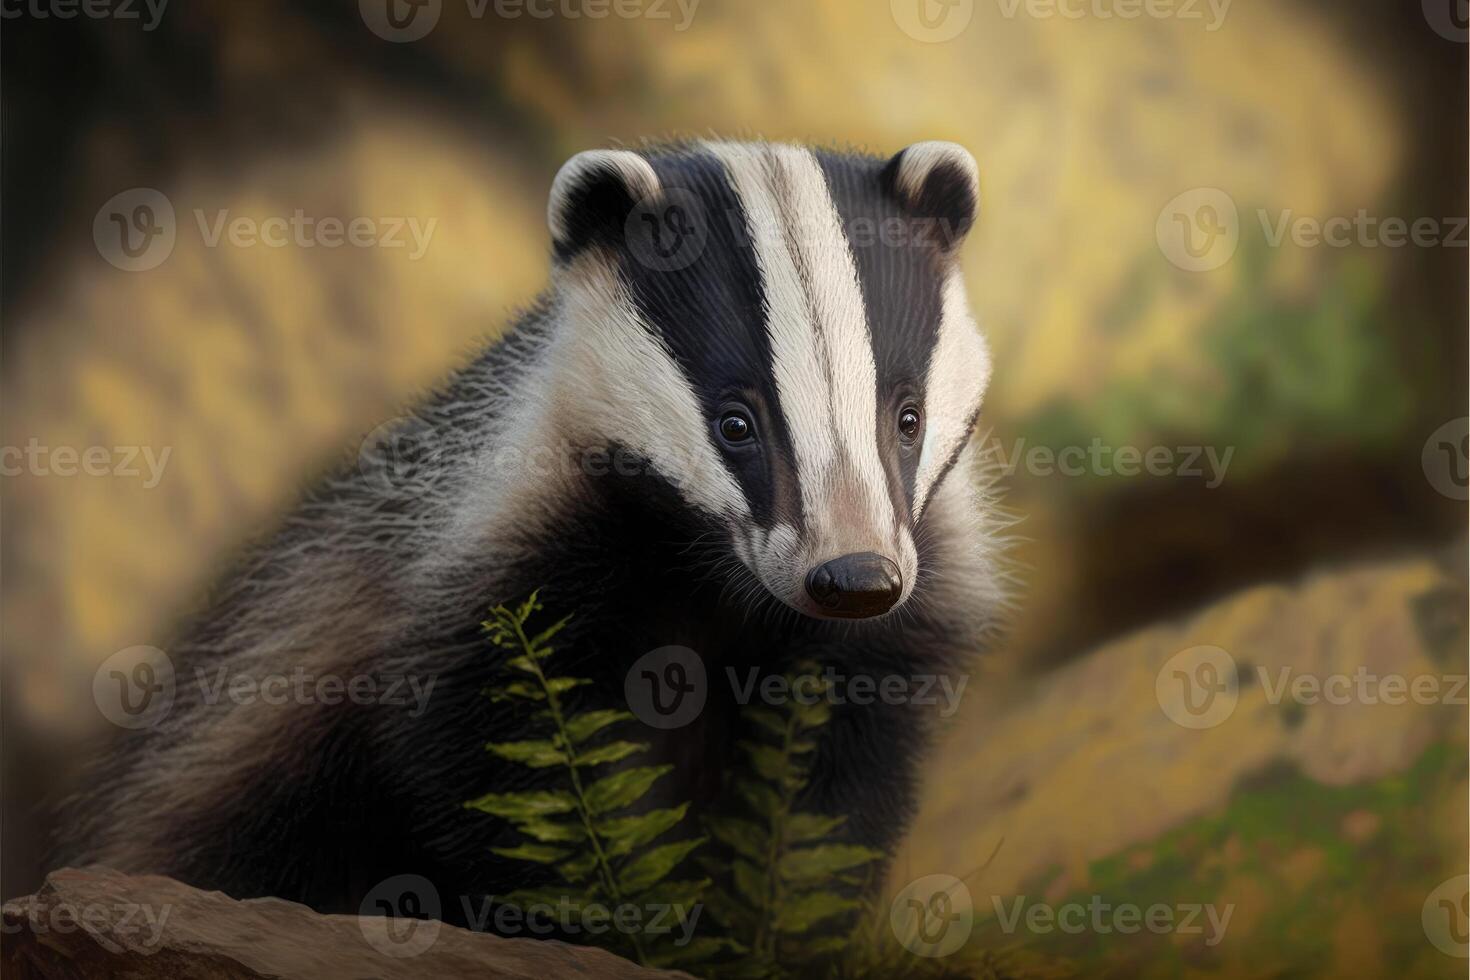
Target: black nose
pixel 856 586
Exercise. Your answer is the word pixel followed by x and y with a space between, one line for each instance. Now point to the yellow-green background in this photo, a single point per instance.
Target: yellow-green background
pixel 1325 369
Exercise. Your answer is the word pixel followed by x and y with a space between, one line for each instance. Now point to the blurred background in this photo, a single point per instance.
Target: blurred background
pixel 1145 269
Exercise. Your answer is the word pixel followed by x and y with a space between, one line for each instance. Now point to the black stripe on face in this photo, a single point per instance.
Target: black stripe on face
pixel 900 267
pixel 711 313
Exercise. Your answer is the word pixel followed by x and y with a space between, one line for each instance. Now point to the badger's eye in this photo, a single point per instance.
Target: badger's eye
pixel 908 423
pixel 735 428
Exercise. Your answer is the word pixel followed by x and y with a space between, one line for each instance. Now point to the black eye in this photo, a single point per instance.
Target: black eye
pixel 908 423
pixel 735 427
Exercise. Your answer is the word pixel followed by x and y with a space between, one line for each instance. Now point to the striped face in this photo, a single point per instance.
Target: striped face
pixel 784 335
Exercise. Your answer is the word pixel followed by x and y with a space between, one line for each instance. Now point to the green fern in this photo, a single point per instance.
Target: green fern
pixel 792 894
pixel 583 831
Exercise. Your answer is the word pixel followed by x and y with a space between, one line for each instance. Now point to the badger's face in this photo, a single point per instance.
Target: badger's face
pixel 783 334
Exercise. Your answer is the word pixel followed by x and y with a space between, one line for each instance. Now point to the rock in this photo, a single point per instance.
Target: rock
pixel 97 922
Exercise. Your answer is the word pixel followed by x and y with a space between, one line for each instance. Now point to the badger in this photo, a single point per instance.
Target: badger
pixel 739 421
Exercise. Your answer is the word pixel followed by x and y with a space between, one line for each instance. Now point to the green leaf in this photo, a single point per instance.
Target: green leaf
pixel 804 827
pixel 767 718
pixel 758 795
pixel 579 867
pixel 813 715
pixel 800 913
pixel 523 806
pixel 540 639
pixel 558 685
pixel 749 882
pixel 536 754
pixel 826 945
pixel 815 863
pixel 584 726
pixel 625 834
pixel 769 762
pixel 655 864
pixel 540 853
pixel 551 831
pixel 523 613
pixel 524 690
pixel 621 788
pixel 523 898
pixel 611 752
pixel 681 892
pixel 741 836
pixel 522 662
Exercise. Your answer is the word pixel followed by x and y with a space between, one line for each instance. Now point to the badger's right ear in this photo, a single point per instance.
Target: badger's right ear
pixel 592 196
pixel 937 180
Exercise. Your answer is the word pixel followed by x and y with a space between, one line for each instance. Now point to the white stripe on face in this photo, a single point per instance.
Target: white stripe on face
pixel 959 371
pixel 821 348
pixel 607 342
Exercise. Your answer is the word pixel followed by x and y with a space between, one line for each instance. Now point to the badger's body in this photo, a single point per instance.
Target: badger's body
pixel 590 454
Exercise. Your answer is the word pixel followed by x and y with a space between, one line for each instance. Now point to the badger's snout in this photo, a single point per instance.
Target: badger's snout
pixel 855 586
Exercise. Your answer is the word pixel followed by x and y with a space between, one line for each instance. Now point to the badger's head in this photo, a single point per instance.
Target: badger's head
pixel 783 335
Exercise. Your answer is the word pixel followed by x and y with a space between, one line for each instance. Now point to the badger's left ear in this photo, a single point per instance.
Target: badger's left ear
pixel 940 181
pixel 592 196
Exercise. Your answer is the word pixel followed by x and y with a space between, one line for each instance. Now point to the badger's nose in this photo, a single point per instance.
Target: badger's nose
pixel 856 586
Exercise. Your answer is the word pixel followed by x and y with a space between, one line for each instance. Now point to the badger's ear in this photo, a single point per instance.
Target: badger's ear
pixel 592 196
pixel 940 181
